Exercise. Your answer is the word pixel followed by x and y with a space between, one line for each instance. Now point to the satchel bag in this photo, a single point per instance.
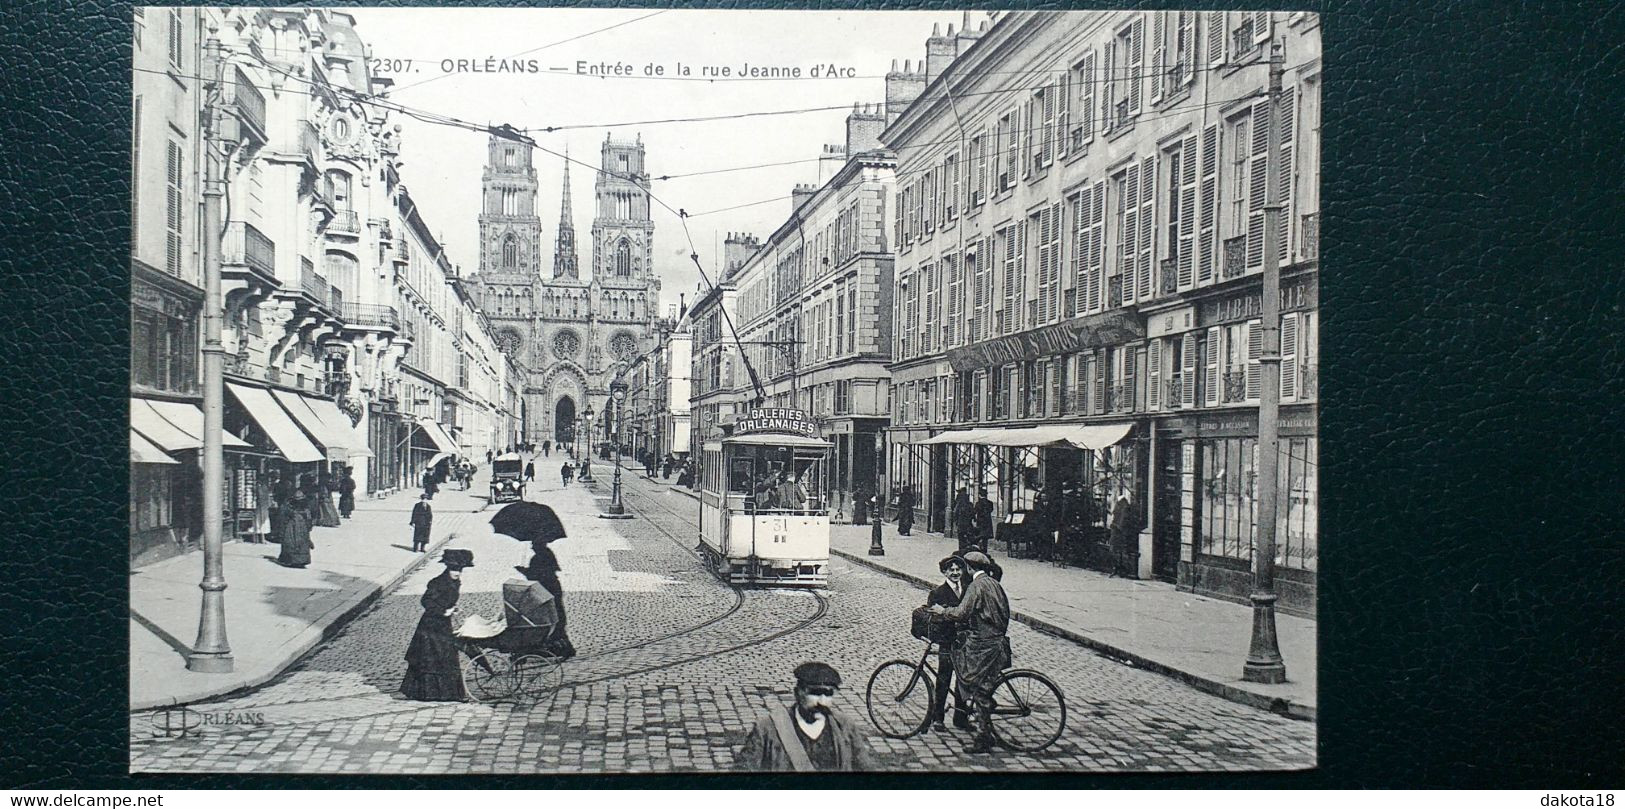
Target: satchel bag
pixel 921 623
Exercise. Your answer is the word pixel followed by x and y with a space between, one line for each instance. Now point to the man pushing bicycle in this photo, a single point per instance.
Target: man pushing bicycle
pixel 983 647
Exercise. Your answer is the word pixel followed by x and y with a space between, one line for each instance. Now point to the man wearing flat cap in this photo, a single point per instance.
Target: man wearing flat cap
pixel 984 649
pixel 808 736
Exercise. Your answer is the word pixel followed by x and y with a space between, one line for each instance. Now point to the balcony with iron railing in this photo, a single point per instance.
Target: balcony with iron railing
pixel 249 104
pixel 1235 387
pixel 1235 256
pixel 244 246
pixel 1309 237
pixel 308 143
pixel 314 285
pixel 337 301
pixel 344 223
pixel 372 316
pixel 403 253
pixel 1168 276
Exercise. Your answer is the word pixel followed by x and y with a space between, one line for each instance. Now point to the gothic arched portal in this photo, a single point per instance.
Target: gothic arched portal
pixel 564 416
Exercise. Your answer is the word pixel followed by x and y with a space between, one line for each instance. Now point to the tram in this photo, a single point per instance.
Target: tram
pixel 764 501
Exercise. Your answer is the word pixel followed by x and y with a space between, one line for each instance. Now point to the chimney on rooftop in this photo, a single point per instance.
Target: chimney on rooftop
pixel 902 87
pixel 863 127
pixel 940 50
pixel 830 161
pixel 800 194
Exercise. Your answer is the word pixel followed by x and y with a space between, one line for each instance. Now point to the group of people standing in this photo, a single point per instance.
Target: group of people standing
pixel 286 510
pixel 973 520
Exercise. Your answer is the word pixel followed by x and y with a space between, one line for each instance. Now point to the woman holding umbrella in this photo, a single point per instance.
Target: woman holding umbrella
pixel 537 524
pixel 433 672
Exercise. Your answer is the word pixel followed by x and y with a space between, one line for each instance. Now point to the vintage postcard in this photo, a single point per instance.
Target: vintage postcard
pixel 634 390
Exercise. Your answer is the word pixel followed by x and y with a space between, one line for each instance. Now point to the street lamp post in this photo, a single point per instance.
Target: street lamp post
pixel 212 652
pixel 617 399
pixel 586 469
pixel 1264 663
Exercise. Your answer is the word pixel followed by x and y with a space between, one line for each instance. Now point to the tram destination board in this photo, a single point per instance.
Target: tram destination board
pixel 777 420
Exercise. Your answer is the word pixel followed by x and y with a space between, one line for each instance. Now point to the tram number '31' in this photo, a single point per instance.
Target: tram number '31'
pixel 780 530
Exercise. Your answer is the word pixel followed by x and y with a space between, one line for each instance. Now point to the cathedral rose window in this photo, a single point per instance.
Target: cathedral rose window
pixel 566 344
pixel 623 346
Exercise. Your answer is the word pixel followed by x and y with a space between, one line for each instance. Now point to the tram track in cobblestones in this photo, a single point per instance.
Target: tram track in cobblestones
pixel 821 609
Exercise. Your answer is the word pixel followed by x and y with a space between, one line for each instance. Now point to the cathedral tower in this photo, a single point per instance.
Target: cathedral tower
pixel 510 244
pixel 626 289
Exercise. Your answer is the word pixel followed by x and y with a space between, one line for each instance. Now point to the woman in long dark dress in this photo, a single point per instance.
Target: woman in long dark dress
pixel 347 494
pixel 295 536
pixel 433 671
pixel 544 570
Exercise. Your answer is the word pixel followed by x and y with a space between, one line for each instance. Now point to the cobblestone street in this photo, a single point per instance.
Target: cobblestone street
pixel 673 668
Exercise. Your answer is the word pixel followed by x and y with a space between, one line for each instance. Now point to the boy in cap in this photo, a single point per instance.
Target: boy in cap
pixel 808 736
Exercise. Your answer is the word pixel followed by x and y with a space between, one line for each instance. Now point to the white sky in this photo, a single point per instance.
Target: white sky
pixel 442 165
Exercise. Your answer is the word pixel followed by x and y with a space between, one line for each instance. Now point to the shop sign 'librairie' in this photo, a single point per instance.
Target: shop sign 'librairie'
pixel 776 420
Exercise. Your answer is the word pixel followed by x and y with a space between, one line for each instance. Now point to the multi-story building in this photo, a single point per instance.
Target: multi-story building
pixel 658 394
pixel 813 305
pixel 715 370
pixel 166 285
pixel 333 289
pixel 1079 250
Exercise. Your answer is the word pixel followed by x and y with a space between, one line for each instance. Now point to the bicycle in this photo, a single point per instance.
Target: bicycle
pixel 1029 712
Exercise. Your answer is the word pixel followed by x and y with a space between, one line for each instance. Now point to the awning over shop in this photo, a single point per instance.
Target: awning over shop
pixel 1080 436
pixel 144 451
pixel 438 457
pixel 289 440
pixel 340 424
pixel 437 436
pixel 173 426
pixel 340 441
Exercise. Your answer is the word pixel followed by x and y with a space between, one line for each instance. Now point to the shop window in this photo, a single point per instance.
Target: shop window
pixel 151 497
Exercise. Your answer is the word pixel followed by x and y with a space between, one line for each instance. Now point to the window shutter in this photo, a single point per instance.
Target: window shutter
pixel 897 218
pixel 1011 151
pixel 1189 47
pixel 1028 110
pixel 952 200
pixel 1063 116
pixel 1215 38
pixel 1079 238
pixel 928 201
pixel 1210 392
pixel 1099 404
pixel 1206 237
pixel 1148 226
pixel 175 48
pixel 1289 357
pixel 1128 403
pixel 1110 81
pixel 1159 53
pixel 1255 347
pixel 1187 214
pixel 1055 241
pixel 174 212
pixel 1154 375
pixel 1086 111
pixel 1288 173
pixel 1187 371
pixel 135 164
pixel 1097 249
pixel 1020 230
pixel 1129 239
pixel 1257 182
pixel 1261 26
pixel 1136 64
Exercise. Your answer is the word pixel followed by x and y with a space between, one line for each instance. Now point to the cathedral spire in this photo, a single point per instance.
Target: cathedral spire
pixel 564 249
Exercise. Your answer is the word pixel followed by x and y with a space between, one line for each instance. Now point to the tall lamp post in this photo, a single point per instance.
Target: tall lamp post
pixel 1264 664
pixel 587 458
pixel 617 399
pixel 212 652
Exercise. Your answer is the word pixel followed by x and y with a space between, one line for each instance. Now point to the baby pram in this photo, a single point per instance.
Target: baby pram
pixel 514 658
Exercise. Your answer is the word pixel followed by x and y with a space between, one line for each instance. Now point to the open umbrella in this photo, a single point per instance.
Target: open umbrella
pixel 528 522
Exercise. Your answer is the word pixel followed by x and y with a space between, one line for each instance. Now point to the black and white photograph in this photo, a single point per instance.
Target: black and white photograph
pixel 626 391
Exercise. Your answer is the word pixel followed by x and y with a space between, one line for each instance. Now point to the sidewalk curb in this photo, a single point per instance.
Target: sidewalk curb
pixel 1217 688
pixel 300 645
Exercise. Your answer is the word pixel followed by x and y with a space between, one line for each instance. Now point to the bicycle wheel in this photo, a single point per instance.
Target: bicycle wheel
pixel 1029 712
pixel 899 699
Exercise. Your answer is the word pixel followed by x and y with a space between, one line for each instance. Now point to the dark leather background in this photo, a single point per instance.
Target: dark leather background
pixel 1472 566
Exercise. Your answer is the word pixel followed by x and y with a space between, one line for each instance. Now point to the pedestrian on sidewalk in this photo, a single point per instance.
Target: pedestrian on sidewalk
pixel 1125 535
pixel 422 521
pixel 261 530
pixel 963 515
pixel 566 472
pixel 430 485
pixel 905 510
pixel 295 537
pixel 984 521
pixel 347 494
pixel 530 471
pixel 808 736
pixel 984 645
pixel 949 593
pixel 323 489
pixel 547 449
pixel 433 671
pixel 280 494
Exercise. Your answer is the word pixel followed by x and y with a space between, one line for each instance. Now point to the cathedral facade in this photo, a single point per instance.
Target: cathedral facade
pixel 571 334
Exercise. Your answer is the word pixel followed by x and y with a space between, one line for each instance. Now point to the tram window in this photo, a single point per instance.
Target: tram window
pixel 740 478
